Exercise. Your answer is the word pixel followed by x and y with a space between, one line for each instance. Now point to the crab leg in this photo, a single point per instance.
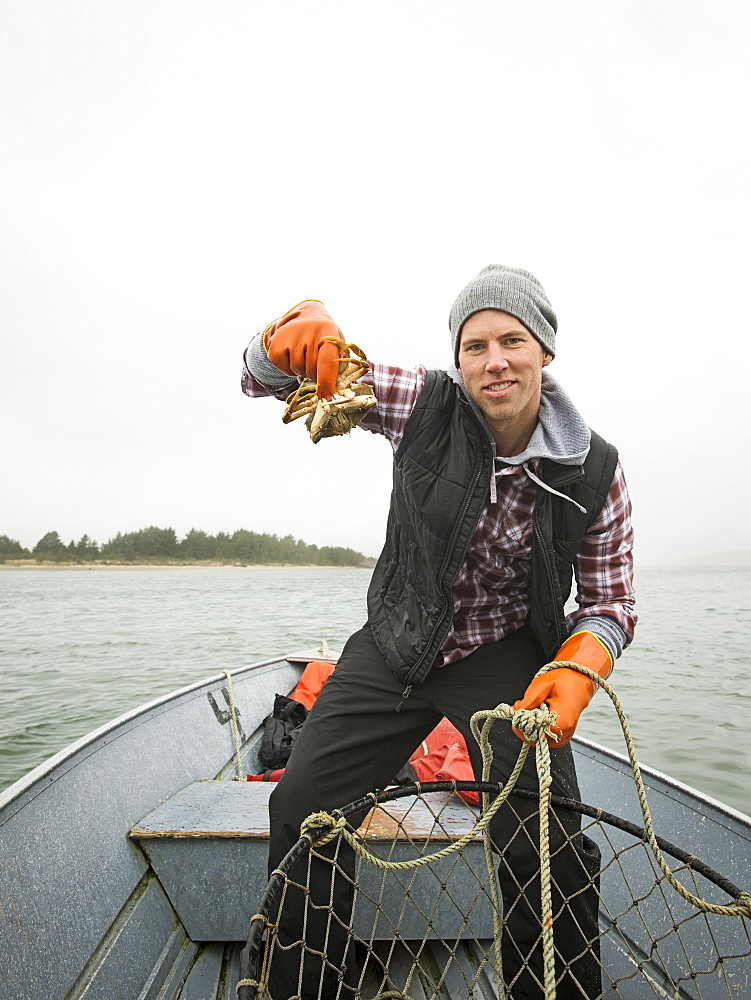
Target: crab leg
pixel 301 402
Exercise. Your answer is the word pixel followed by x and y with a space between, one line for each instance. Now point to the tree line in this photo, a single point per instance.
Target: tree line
pixel 160 545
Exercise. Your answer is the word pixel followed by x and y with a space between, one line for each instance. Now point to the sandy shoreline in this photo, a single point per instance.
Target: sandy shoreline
pixel 24 564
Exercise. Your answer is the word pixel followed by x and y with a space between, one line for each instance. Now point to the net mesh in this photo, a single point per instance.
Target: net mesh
pixel 429 931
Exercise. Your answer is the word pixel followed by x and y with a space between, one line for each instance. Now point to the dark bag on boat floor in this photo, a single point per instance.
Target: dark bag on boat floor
pixel 280 731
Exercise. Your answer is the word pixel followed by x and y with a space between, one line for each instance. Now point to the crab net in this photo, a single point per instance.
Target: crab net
pixel 426 921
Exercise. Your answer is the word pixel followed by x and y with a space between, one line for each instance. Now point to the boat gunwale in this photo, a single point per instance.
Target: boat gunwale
pixel 670 784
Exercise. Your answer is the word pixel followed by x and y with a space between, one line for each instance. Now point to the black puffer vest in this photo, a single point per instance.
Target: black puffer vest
pixel 441 474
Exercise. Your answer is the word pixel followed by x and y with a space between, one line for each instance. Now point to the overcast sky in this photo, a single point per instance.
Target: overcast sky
pixel 173 176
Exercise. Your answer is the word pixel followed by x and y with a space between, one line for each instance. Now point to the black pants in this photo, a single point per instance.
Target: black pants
pixel 354 741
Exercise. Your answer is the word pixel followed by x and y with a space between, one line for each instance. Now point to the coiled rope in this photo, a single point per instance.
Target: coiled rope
pixel 536 725
pixel 742 907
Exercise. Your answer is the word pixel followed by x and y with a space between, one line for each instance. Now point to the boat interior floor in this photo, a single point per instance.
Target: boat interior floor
pixel 212 970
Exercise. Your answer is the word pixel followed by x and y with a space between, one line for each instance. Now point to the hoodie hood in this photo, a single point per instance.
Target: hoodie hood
pixel 561 433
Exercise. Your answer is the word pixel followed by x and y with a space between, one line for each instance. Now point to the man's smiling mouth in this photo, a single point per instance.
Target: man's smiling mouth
pixel 497 386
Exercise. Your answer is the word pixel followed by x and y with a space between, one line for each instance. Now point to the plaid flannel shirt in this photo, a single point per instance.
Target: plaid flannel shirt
pixel 490 593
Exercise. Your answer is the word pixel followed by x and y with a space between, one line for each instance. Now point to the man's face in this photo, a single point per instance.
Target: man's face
pixel 501 364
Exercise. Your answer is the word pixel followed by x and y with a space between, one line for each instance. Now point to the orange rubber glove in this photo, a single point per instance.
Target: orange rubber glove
pixel 296 345
pixel 565 691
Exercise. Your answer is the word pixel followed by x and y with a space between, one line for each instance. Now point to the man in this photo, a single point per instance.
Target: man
pixel 500 492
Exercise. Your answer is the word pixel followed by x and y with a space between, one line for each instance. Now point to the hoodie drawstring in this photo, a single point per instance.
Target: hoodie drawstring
pixel 535 479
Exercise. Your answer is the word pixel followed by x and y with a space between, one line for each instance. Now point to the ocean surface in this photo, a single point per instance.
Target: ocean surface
pixel 81 647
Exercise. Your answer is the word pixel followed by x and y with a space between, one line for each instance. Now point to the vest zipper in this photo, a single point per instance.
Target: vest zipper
pixel 549 574
pixel 449 551
pixel 405 694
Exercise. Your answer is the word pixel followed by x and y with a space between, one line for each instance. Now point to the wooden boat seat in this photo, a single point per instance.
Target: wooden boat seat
pixel 207 845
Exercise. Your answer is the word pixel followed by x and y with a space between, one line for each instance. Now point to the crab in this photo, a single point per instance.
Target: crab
pixel 347 407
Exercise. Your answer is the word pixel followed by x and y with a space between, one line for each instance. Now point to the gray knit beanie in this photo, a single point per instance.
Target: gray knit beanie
pixel 513 291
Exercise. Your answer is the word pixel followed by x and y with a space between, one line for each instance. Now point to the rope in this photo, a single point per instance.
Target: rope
pixel 262 980
pixel 536 725
pixel 233 726
pixel 338 826
pixel 742 907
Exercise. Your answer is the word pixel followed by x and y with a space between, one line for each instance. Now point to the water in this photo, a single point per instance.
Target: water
pixel 78 648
